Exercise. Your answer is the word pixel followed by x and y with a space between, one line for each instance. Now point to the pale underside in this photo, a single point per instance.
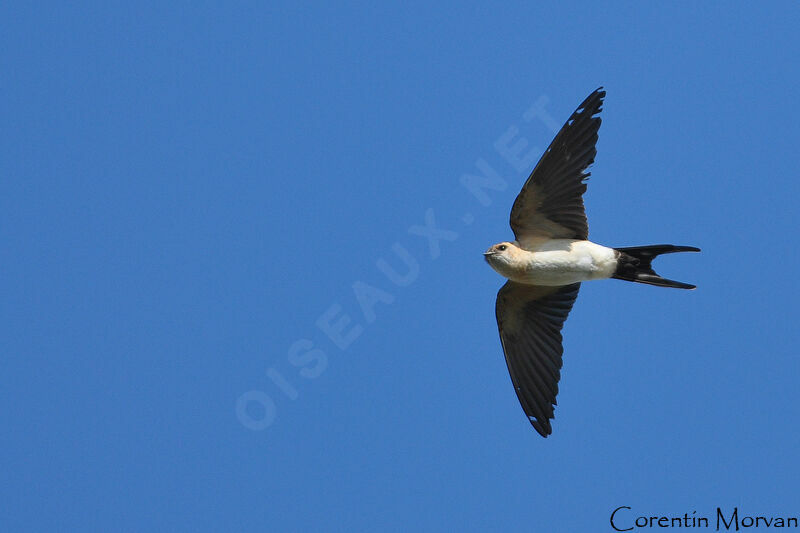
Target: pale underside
pixel 559 262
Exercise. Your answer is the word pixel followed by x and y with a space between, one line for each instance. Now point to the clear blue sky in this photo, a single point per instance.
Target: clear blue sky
pixel 188 191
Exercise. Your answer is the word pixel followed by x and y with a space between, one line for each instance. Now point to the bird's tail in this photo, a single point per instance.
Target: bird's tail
pixel 633 264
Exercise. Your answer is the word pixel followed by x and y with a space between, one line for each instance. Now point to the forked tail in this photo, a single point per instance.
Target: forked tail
pixel 633 264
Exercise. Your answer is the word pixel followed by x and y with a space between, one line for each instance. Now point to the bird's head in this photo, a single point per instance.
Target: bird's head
pixel 502 255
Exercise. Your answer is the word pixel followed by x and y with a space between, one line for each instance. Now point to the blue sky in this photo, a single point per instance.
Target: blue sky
pixel 189 190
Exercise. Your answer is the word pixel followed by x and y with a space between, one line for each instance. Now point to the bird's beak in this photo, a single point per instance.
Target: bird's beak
pixel 485 254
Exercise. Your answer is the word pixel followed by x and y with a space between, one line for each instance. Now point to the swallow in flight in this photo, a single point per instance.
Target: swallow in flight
pixel 549 259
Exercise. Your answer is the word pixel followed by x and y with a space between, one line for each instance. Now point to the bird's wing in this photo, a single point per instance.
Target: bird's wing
pixel 530 318
pixel 550 204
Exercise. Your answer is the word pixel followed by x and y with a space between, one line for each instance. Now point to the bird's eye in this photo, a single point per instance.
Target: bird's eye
pixel 502 247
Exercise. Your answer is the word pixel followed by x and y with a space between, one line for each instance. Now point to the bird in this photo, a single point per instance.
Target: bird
pixel 549 259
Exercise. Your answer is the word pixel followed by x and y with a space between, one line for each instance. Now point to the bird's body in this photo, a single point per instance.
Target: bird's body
pixel 555 262
pixel 549 259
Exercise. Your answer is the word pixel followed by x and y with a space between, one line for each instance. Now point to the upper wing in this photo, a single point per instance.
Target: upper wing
pixel 550 204
pixel 530 318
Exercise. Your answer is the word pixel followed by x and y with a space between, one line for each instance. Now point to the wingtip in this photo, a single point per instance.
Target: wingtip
pixel 594 102
pixel 543 429
pixel 600 92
